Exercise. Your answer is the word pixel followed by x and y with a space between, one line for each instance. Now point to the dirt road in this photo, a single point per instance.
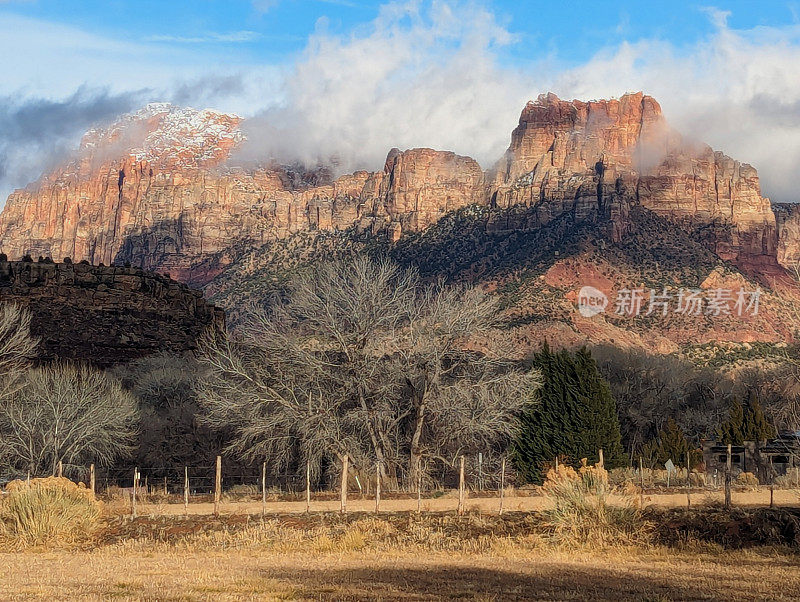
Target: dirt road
pixel 449 503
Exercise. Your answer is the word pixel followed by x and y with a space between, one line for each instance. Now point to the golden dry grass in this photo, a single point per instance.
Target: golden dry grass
pixel 510 574
pixel 435 556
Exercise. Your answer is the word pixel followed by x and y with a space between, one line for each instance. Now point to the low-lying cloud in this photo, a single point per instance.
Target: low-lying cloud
pixel 36 133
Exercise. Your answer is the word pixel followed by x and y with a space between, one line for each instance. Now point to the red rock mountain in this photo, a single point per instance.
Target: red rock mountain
pixel 159 189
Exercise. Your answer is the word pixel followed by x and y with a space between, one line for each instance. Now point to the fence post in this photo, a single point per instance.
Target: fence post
pixel 771 484
pixel 166 491
pixel 92 480
pixel 345 464
pixel 186 490
pixel 263 489
pixel 600 460
pixel 308 486
pixel 461 487
pixel 502 483
pixel 377 487
pixel 60 468
pixel 133 494
pixel 641 481
pixel 728 478
pixel 217 485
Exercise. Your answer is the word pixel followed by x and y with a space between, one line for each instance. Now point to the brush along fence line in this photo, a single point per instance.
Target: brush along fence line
pixel 210 489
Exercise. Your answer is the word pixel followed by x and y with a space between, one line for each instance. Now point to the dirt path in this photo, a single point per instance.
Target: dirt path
pixel 450 503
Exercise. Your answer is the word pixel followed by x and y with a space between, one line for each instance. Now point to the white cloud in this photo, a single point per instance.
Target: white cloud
pixel 434 75
pixel 436 78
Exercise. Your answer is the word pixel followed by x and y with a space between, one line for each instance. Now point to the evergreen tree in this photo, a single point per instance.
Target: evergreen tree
pixel 745 423
pixel 756 426
pixel 572 416
pixel 670 444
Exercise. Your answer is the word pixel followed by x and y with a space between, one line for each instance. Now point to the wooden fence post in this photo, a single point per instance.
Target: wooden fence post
pixel 217 485
pixel 600 460
pixel 308 486
pixel 263 489
pixel 728 478
pixel 92 480
pixel 345 464
pixel 502 483
pixel 133 494
pixel 377 487
pixel 771 484
pixel 186 490
pixel 461 487
pixel 60 468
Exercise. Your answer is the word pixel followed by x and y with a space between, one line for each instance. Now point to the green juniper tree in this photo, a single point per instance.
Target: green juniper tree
pixel 572 416
pixel 670 444
pixel 745 423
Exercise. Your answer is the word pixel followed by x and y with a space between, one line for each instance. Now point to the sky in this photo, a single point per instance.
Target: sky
pixel 350 79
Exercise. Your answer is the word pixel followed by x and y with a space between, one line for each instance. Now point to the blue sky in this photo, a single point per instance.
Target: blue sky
pixel 274 30
pixel 351 79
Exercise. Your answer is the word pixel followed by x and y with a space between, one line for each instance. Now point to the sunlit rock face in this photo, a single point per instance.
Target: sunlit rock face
pixel 585 157
pixel 160 188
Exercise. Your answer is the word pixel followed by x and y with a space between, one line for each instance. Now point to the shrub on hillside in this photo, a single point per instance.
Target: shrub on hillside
pixel 582 512
pixel 50 511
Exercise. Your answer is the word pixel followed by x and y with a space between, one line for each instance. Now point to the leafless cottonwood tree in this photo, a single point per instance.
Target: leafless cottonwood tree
pixel 17 346
pixel 363 359
pixel 65 413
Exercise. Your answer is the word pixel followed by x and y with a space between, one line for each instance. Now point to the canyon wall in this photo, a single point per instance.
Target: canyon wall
pixel 159 188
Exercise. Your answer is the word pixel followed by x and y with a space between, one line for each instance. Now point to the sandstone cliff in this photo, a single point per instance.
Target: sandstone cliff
pixel 106 315
pixel 589 157
pixel 158 188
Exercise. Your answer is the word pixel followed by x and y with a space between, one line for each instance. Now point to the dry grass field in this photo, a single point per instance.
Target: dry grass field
pixel 703 554
pixel 143 573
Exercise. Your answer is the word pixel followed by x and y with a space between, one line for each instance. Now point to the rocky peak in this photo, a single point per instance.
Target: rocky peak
pixel 165 137
pixel 595 157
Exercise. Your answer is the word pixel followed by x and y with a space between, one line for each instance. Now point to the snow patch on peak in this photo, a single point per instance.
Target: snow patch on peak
pixel 167 135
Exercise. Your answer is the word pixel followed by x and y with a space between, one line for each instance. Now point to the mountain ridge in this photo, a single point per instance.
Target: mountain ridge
pixel 609 169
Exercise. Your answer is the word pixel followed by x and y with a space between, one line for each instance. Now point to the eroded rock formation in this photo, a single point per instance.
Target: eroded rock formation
pixel 158 188
pixel 588 157
pixel 106 314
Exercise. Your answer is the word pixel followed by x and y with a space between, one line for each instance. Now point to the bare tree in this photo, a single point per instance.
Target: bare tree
pixel 17 346
pixel 363 359
pixel 65 413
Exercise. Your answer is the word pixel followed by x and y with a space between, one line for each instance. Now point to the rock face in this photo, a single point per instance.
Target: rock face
pixel 158 188
pixel 106 315
pixel 160 197
pixel 589 157
pixel 788 220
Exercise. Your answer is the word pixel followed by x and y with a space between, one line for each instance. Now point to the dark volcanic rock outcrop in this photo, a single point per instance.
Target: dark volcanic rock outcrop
pixel 106 315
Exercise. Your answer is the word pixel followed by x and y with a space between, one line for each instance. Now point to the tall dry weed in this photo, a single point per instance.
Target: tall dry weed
pixel 583 513
pixel 49 511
